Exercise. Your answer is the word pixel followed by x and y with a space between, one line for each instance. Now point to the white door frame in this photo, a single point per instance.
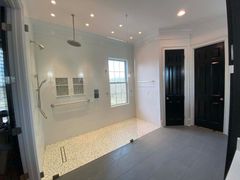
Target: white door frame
pixel 21 89
pixel 186 85
pixel 226 80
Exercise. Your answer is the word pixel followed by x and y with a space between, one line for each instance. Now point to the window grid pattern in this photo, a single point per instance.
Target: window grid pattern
pixel 3 95
pixel 62 86
pixel 118 82
pixel 78 86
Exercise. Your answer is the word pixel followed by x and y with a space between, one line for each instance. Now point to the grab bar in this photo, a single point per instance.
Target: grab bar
pixel 146 81
pixel 68 103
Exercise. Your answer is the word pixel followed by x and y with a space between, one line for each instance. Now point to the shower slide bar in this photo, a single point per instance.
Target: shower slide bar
pixel 69 103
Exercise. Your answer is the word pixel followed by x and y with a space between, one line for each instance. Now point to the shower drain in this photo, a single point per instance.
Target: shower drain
pixel 63 154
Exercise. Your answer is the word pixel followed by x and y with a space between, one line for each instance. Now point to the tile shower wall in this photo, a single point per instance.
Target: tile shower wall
pixel 90 61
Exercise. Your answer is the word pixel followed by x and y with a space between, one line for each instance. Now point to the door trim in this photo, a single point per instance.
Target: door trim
pixel 163 93
pixel 215 45
pixel 21 92
pixel 226 81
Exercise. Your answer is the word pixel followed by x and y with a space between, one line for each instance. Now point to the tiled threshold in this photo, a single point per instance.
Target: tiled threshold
pixel 65 156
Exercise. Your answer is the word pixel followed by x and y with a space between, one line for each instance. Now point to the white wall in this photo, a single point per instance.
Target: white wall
pixel 200 34
pixel 67 61
pixel 147 81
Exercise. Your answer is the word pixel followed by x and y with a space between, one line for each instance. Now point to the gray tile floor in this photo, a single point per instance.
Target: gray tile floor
pixel 176 153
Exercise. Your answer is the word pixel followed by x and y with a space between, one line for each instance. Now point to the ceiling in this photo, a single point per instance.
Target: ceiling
pixel 147 16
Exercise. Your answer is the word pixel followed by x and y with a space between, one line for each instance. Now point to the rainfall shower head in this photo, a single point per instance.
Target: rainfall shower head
pixel 41 47
pixel 73 42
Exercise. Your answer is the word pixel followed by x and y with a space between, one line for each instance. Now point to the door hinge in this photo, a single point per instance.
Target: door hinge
pixel 10 79
pixel 16 131
pixel 41 175
pixel 231 69
pixel 24 176
pixel 6 27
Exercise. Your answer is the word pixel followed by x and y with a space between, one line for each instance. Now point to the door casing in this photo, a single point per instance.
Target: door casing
pixel 197 121
pixel 163 84
pixel 226 81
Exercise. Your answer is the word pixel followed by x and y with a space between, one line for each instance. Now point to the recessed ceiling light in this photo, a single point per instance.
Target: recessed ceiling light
pixel 180 13
pixel 53 15
pixel 131 37
pixel 120 25
pixel 53 2
pixel 139 32
pixel 92 15
pixel 87 25
pixel 112 32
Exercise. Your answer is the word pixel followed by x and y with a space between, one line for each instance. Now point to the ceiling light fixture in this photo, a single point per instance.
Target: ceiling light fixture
pixel 131 37
pixel 112 32
pixel 87 25
pixel 120 25
pixel 181 13
pixel 92 15
pixel 53 2
pixel 53 15
pixel 139 32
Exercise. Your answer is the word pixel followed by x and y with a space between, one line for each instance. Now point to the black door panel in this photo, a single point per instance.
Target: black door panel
pixel 209 86
pixel 174 87
pixel 233 7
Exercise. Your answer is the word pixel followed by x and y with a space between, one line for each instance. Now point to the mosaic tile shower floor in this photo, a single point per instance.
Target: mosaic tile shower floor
pixel 65 156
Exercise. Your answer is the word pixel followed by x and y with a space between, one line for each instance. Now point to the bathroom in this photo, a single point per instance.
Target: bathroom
pixel 68 113
pixel 117 83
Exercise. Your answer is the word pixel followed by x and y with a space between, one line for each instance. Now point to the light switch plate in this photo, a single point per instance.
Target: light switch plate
pixel 231 69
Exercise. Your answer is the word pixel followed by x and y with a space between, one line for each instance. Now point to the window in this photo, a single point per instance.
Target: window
pixel 78 86
pixel 62 86
pixel 3 96
pixel 118 81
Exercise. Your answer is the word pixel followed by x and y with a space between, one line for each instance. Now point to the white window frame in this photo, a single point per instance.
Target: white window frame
pixel 126 81
pixel 78 84
pixel 62 85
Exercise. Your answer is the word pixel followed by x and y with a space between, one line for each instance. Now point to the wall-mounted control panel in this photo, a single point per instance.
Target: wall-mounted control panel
pixel 96 93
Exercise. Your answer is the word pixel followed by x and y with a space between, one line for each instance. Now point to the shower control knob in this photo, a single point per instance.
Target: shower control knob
pixel 221 99
pixel 167 98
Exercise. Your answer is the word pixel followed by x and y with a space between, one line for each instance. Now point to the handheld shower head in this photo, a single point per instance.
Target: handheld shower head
pixel 41 47
pixel 44 81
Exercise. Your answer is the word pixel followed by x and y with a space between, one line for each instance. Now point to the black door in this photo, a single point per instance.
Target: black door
pixel 10 161
pixel 209 86
pixel 174 84
pixel 233 7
